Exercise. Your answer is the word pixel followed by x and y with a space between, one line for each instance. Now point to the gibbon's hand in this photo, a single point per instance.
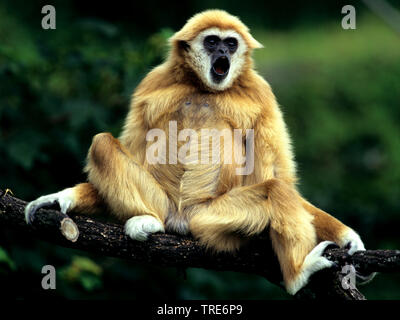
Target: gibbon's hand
pixel 64 198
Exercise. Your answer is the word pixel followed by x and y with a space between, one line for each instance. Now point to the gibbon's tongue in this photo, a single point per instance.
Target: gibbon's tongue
pixel 219 70
pixel 221 65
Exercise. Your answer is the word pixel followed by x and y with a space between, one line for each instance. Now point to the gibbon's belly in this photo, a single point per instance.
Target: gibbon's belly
pixel 194 160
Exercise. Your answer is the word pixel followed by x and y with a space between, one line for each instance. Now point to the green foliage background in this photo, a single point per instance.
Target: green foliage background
pixel 339 90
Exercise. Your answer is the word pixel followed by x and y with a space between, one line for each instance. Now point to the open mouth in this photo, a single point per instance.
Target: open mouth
pixel 221 66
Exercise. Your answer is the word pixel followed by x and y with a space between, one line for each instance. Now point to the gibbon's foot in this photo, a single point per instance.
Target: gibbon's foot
pixel 139 227
pixel 352 241
pixel 64 198
pixel 313 262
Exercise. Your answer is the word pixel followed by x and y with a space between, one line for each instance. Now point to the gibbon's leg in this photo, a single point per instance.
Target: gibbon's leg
pixel 246 211
pixel 131 192
pixel 83 198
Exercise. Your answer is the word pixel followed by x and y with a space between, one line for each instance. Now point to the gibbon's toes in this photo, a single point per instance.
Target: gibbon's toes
pixel 319 250
pixel 313 262
pixel 64 198
pixel 352 241
pixel 139 227
pixel 31 209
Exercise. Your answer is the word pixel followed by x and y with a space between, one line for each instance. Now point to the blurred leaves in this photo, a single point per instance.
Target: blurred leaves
pixel 340 92
pixel 84 272
pixel 6 263
pixel 58 89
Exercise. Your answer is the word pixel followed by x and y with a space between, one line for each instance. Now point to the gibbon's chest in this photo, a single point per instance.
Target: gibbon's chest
pixel 191 153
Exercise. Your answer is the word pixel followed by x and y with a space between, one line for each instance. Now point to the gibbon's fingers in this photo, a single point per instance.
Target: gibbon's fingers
pixel 139 227
pixel 65 199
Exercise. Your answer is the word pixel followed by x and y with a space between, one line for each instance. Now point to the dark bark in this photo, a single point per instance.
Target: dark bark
pixel 182 252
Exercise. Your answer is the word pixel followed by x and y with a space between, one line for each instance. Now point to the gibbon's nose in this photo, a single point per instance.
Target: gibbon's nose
pixel 223 50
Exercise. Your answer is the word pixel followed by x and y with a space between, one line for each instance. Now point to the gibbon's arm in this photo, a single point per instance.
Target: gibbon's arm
pixel 133 136
pixel 273 155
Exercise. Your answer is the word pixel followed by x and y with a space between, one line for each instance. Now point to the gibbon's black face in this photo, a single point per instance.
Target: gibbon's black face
pixel 220 51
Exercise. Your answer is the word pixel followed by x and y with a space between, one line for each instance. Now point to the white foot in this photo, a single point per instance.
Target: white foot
pixel 139 227
pixel 65 198
pixel 353 241
pixel 313 262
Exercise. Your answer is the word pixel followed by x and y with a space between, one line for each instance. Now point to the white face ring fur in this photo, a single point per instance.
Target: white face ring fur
pixel 200 60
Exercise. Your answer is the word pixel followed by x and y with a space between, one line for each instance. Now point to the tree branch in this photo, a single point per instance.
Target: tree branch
pixel 171 250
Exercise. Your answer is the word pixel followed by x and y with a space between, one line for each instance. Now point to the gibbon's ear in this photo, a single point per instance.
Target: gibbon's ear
pixel 179 43
pixel 252 43
pixel 183 45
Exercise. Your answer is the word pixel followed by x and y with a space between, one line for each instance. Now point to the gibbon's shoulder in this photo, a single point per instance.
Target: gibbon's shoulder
pixel 156 79
pixel 260 92
pixel 159 93
pixel 164 79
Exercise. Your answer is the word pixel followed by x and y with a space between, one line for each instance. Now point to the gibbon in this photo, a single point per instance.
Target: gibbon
pixel 207 82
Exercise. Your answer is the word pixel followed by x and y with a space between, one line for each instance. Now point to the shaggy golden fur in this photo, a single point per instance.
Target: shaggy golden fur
pixel 219 207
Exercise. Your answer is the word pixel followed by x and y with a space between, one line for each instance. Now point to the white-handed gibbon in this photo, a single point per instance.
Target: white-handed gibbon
pixel 207 82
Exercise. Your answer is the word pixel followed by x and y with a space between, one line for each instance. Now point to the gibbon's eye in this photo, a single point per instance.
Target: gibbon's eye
pixel 211 41
pixel 231 43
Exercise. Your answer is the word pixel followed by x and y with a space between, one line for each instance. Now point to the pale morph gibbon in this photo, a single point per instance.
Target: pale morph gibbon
pixel 207 81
